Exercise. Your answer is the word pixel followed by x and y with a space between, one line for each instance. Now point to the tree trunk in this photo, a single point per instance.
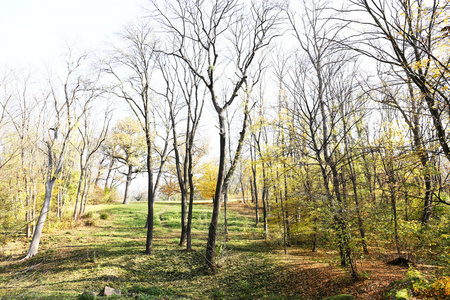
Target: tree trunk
pixel 58 204
pixel 191 205
pixel 242 190
pixel 394 211
pixel 108 175
pixel 183 236
pixel 212 234
pixel 150 196
pixel 49 184
pixel 191 193
pixel 127 184
pixel 314 243
pixel 428 198
pixel 87 188
pixel 33 211
pixel 77 199
pixel 358 210
pixel 284 222
pixel 265 196
pixel 254 185
pixel 28 211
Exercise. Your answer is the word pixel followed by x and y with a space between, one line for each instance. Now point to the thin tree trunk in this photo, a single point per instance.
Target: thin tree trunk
pixel 49 184
pixel 183 236
pixel 84 193
pixel 218 198
pixel 108 175
pixel 127 184
pixel 151 197
pixel 87 188
pixel 255 190
pixel 33 211
pixel 77 199
pixel 242 190
pixel 28 211
pixel 358 210
pixel 394 211
pixel 314 243
pixel 191 204
pixel 284 223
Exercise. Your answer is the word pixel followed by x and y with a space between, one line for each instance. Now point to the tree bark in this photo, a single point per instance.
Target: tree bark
pixel 218 198
pixel 77 199
pixel 127 184
pixel 150 196
pixel 33 250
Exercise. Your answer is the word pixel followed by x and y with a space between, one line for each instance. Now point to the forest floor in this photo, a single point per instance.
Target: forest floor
pixel 109 252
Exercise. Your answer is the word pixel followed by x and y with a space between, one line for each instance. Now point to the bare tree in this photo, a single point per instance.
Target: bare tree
pixel 186 98
pixel 317 88
pixel 132 68
pixel 66 104
pixel 90 142
pixel 22 116
pixel 228 36
pixel 410 36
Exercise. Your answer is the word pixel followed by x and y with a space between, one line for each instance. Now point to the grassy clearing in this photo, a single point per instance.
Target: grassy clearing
pixel 109 251
pixel 106 248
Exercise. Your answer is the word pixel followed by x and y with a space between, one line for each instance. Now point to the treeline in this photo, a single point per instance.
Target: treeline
pixel 332 123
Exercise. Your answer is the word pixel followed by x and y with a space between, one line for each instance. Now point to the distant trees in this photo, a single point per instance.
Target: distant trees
pixel 126 144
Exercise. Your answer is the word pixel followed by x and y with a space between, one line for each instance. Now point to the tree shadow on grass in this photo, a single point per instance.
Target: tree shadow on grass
pixel 266 279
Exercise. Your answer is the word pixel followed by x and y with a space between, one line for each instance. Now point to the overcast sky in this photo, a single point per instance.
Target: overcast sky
pixel 35 32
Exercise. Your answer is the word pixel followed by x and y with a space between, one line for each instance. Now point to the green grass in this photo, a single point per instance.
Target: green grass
pixel 110 253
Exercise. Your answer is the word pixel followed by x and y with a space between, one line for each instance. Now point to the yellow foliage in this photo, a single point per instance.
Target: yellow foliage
pixel 206 184
pixel 439 290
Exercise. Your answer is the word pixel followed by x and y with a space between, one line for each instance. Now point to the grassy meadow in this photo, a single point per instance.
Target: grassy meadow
pixel 106 249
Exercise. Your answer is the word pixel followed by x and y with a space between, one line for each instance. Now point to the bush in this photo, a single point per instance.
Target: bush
pixel 90 222
pixel 415 283
pixel 101 196
pixel 87 296
pixel 104 215
pixel 439 289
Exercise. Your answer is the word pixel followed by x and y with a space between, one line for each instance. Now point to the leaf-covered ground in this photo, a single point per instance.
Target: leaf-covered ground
pixel 110 253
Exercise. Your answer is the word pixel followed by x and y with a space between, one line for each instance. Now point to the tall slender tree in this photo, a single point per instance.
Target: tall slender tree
pixel 132 68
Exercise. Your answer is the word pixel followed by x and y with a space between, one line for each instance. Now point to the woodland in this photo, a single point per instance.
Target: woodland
pixel 278 150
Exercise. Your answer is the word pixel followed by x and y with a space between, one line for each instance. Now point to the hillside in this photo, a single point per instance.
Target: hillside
pixel 108 251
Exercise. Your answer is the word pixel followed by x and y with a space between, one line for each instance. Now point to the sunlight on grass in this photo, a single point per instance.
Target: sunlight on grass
pixel 110 252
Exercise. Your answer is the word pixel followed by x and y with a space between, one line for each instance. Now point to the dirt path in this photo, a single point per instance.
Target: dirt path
pixel 161 213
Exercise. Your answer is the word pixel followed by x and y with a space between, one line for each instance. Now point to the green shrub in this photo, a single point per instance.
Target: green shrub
pixel 402 295
pixel 104 215
pixel 86 296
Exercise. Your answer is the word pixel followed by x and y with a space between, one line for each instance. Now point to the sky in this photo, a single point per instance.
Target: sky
pixel 35 32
